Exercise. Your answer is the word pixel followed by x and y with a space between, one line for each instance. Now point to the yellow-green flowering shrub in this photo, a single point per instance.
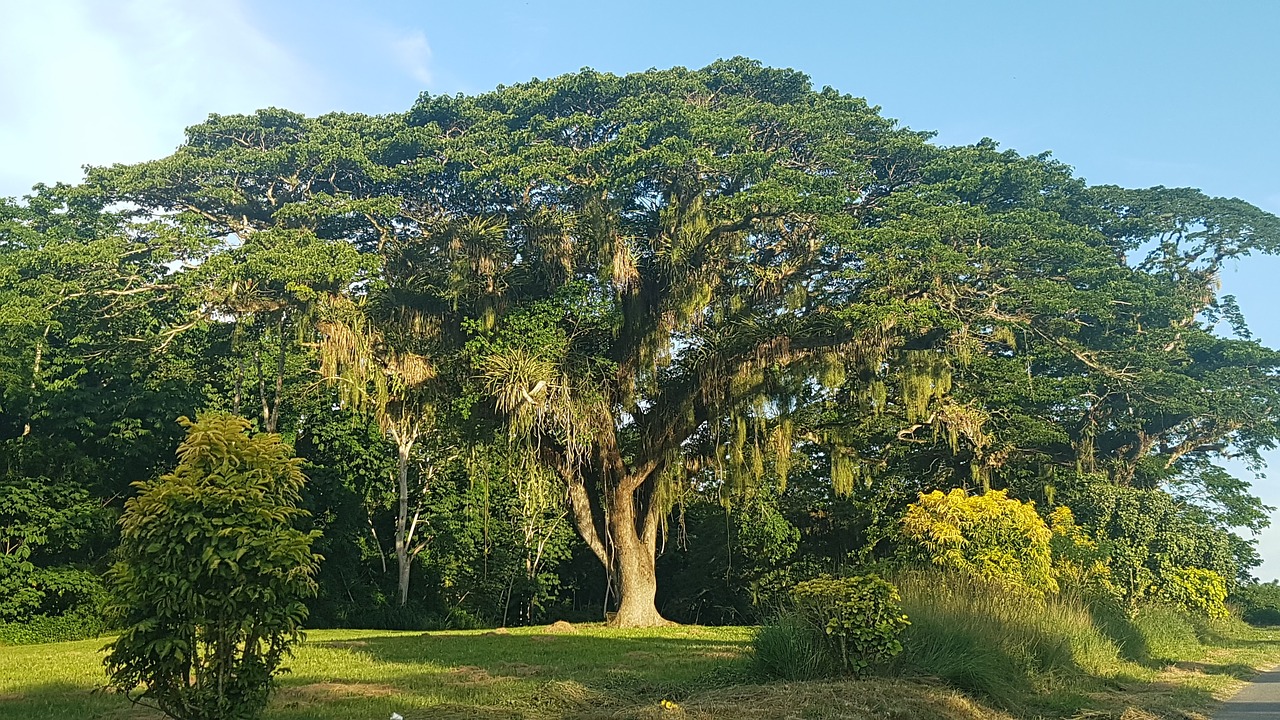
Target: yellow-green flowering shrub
pixel 1196 590
pixel 991 536
pixel 1078 561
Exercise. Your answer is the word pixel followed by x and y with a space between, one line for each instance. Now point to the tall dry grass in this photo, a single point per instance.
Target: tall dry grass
pixel 1001 643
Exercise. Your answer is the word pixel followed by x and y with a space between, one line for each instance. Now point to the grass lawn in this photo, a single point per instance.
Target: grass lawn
pixel 594 672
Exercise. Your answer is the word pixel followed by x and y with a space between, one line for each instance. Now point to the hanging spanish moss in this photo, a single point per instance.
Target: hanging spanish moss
pixel 782 446
pixel 488 315
pixel 538 397
pixel 1085 454
pixel 737 451
pixel 796 296
pixel 477 254
pixel 963 423
pixel 870 347
pixel 846 471
pixel 874 397
pixel 410 368
pixel 351 358
pixel 1004 334
pixel 831 371
pixel 926 377
pixel 547 232
pixel 757 464
pixel 964 346
pixel 623 270
pixel 980 474
pixel 747 379
pixel 673 487
pixel 685 226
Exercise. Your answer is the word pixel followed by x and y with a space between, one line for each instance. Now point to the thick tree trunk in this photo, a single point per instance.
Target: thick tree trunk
pixel 634 563
pixel 614 511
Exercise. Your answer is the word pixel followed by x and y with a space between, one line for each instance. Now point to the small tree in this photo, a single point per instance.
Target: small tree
pixel 212 575
pixel 991 536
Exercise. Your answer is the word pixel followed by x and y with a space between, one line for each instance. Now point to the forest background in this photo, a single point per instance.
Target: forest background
pixel 421 62
pixel 1145 93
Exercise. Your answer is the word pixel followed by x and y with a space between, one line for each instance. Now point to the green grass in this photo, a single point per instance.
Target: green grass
pixel 1050 667
pixel 370 674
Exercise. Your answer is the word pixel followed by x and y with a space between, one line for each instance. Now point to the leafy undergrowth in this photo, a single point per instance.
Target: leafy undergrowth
pixel 593 673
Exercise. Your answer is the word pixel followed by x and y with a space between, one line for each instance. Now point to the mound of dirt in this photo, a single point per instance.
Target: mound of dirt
pixel 560 627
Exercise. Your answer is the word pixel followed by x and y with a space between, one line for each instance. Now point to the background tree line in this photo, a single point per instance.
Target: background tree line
pixel 658 346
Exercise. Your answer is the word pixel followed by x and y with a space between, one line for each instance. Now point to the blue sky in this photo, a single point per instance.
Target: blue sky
pixel 1137 93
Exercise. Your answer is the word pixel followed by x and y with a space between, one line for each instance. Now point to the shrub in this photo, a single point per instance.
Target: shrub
pixel 41 520
pixel 858 618
pixel 1197 591
pixel 990 536
pixel 80 623
pixel 1079 562
pixel 832 626
pixel 212 575
pixel 1259 603
pixel 70 606
pixel 1147 534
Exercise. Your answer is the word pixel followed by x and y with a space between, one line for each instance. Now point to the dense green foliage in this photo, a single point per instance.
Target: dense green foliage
pixel 831 626
pixel 1198 591
pixel 989 536
pixel 84 621
pixel 1258 603
pixel 650 347
pixel 789 648
pixel 212 575
pixel 858 617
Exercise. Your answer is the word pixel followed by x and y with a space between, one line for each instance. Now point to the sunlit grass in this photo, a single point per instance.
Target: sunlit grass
pixel 1059 657
pixel 365 673
pixel 595 673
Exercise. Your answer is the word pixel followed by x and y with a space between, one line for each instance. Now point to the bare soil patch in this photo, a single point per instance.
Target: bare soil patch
pixel 328 691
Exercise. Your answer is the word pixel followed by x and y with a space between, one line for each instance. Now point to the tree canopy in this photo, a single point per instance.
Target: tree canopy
pixel 612 303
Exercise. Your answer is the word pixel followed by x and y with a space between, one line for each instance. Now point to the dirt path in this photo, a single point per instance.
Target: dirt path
pixel 1255 701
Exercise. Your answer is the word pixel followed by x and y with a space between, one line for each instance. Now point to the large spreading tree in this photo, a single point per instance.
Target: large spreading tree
pixel 684 280
pixel 670 259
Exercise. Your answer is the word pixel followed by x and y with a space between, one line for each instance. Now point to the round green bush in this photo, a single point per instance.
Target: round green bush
pixel 832 626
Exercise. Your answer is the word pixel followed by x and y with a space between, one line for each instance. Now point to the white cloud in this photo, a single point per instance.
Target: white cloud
pixel 413 53
pixel 84 82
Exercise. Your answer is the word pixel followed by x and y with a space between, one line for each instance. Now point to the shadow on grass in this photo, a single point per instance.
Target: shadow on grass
pixel 490 676
pixel 506 675
pixel 68 700
pixel 1212 636
pixel 1170 637
pixel 1128 639
pixel 1239 671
